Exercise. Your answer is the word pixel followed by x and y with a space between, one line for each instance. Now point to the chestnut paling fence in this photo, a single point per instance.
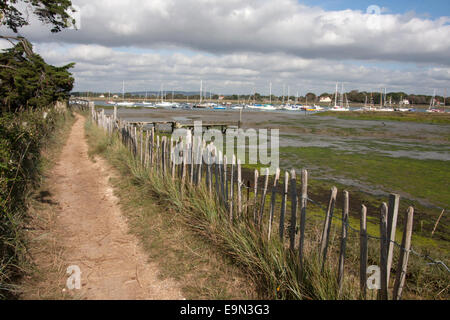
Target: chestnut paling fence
pixel 203 165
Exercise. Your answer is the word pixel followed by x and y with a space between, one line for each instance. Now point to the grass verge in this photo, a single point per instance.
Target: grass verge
pixel 27 142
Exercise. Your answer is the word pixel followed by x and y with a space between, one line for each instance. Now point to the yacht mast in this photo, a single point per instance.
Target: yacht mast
pixel 335 95
pixel 270 95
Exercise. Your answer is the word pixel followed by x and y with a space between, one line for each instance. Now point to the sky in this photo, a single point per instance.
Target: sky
pixel 239 46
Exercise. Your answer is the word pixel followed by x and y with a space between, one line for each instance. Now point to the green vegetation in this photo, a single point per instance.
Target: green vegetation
pixel 28 82
pixel 420 117
pixel 268 263
pixel 22 138
pixel 422 179
pixel 50 12
pixel 29 90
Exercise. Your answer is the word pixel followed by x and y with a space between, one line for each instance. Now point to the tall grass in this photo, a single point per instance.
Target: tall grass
pixel 23 136
pixel 269 264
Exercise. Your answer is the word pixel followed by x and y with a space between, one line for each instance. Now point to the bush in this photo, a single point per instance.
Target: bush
pixel 22 136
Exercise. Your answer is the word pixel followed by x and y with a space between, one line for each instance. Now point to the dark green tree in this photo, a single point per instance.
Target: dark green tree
pixel 26 80
pixel 53 12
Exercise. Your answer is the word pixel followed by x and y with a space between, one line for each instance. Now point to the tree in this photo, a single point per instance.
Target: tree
pixel 26 80
pixel 53 12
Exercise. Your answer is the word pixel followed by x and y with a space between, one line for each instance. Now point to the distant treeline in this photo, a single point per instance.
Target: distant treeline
pixel 354 96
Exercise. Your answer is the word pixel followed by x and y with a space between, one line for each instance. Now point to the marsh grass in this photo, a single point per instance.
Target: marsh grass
pixel 419 117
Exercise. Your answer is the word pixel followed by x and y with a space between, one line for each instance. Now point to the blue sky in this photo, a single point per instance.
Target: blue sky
pixel 432 8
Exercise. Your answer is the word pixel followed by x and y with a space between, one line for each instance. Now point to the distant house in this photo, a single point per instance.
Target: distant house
pixel 405 101
pixel 102 96
pixel 325 99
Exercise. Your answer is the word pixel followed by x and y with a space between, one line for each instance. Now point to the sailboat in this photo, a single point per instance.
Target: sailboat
pixel 383 107
pixel 124 103
pixel 163 104
pixel 432 107
pixel 337 107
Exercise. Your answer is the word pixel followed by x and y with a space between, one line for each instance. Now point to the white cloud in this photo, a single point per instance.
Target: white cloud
pixel 101 68
pixel 239 45
pixel 265 26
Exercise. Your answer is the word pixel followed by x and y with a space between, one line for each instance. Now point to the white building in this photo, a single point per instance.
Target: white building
pixel 405 101
pixel 325 99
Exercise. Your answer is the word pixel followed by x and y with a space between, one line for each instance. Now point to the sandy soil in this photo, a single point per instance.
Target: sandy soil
pixel 94 234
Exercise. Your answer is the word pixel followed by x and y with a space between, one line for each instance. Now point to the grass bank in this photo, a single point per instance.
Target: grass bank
pixel 27 141
pixel 268 265
pixel 420 117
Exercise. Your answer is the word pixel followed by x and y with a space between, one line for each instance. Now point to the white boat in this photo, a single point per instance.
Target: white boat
pixel 339 108
pixel 432 108
pixel 164 104
pixel 269 107
pixel 125 104
pixel 292 107
pixel 315 108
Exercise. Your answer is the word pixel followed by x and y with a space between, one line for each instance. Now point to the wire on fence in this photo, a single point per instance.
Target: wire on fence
pixel 425 257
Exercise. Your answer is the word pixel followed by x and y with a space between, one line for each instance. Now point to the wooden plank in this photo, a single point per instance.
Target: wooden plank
pixel 263 199
pixel 141 142
pixel 239 188
pixel 327 226
pixel 404 255
pixel 437 222
pixel 163 155
pixel 294 204
pixel 273 202
pixel 191 160
pixel 225 180
pixel 283 206
pixel 157 153
pixel 394 202
pixel 209 171
pixel 231 202
pixel 383 294
pixel 200 165
pixel 255 201
pixel 303 205
pixel 344 235
pixel 363 239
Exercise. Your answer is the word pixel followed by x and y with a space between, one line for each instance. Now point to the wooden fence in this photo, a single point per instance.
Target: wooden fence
pixel 204 164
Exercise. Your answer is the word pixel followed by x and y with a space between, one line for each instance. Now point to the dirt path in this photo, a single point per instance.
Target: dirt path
pixel 94 234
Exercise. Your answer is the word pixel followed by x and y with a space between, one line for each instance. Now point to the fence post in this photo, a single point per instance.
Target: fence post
pixel 394 201
pixel 383 294
pixel 239 188
pixel 163 154
pixel 294 200
pixel 283 205
pixel 263 200
pixel 404 255
pixel 327 226
pixel 304 203
pixel 363 252
pixel 192 161
pixel 345 211
pixel 273 202
pixel 200 162
pixel 225 181
pixel 255 202
pixel 232 187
